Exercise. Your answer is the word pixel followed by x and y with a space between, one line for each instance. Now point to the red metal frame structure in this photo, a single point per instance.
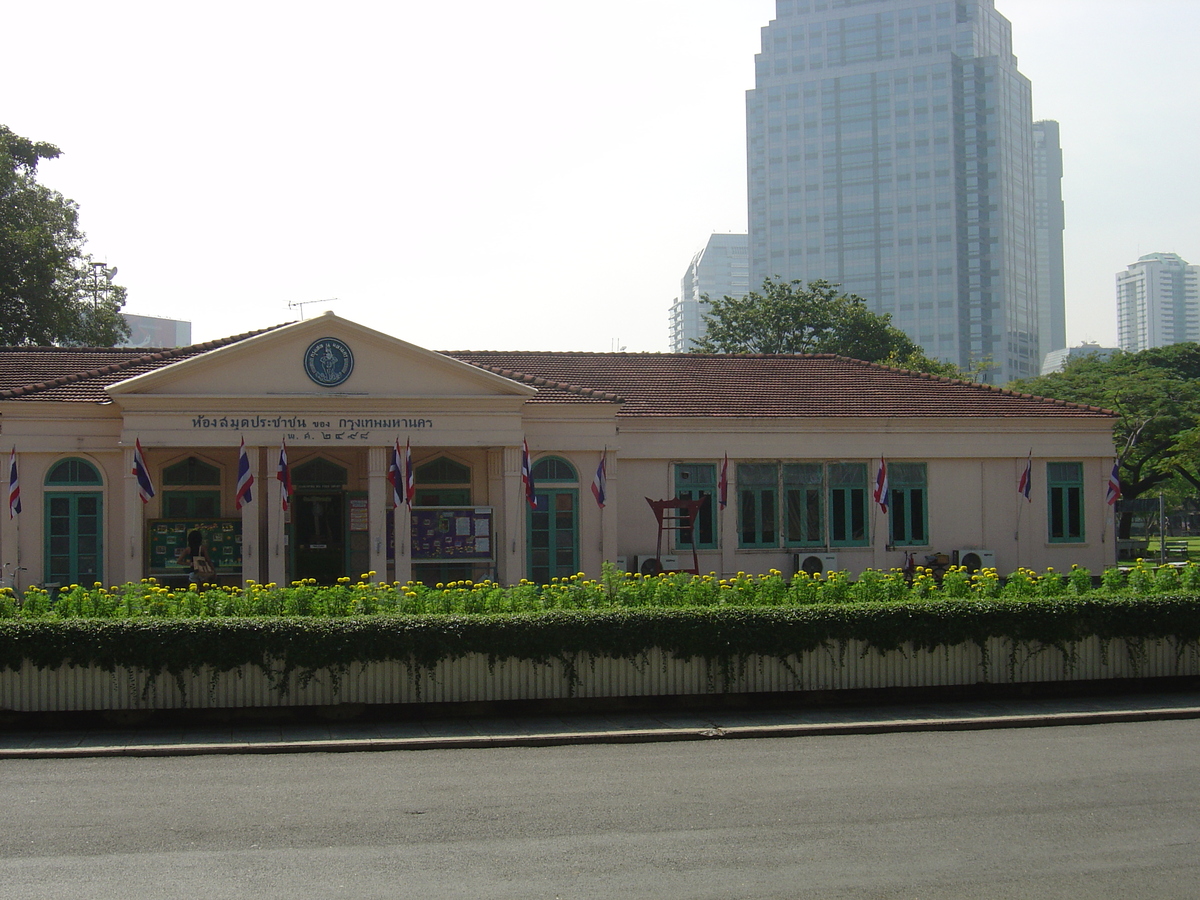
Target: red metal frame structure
pixel 677 513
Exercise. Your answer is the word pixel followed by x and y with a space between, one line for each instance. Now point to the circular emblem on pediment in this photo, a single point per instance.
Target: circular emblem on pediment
pixel 328 362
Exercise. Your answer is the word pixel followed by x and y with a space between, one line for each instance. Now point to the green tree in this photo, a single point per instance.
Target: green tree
pixel 788 317
pixel 48 286
pixel 1156 394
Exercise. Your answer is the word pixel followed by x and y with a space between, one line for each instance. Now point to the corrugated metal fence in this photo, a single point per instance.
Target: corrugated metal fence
pixel 853 666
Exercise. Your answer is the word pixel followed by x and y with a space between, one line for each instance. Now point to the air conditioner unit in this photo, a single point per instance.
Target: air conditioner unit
pixel 669 563
pixel 815 563
pixel 974 560
pixel 622 563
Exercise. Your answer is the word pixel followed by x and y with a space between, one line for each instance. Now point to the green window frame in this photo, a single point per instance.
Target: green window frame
pixel 696 481
pixel 1064 515
pixel 758 504
pixel 848 513
pixel 553 523
pixel 803 487
pixel 74 524
pixel 907 505
pixel 442 482
pixel 191 471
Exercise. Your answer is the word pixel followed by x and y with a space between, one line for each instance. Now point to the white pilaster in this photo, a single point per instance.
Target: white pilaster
pixel 276 548
pixel 378 501
pixel 251 549
pixel 131 565
pixel 511 510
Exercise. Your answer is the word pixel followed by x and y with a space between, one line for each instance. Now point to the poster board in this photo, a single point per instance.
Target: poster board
pixel 167 540
pixel 452 534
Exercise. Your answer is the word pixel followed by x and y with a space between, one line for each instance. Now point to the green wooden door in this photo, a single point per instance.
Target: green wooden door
pixel 554 534
pixel 74 538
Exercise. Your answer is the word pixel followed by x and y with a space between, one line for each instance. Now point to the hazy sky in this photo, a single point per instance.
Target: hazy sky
pixel 533 174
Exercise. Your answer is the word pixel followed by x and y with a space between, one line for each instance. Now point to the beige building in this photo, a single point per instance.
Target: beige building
pixel 800 439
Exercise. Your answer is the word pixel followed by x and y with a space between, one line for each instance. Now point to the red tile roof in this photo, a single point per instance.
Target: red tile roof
pixel 743 385
pixel 80 374
pixel 644 384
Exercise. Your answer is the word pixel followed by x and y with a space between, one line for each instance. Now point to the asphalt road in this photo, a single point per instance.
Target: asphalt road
pixel 1094 811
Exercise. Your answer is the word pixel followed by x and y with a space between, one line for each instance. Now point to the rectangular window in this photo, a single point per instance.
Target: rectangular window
pixel 1064 482
pixel 802 491
pixel 758 490
pixel 906 507
pixel 847 505
pixel 694 481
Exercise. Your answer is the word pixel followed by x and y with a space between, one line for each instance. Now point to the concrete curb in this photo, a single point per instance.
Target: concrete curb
pixel 631 736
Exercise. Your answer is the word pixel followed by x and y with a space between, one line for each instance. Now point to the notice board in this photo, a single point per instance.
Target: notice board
pixel 168 542
pixel 448 533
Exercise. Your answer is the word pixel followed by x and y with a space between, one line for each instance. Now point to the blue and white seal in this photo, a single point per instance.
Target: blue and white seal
pixel 328 362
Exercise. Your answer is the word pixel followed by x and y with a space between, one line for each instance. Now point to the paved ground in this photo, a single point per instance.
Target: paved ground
pixel 629 727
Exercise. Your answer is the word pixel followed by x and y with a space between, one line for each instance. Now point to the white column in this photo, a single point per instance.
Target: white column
pixel 251 550
pixel 609 544
pixel 509 520
pixel 402 523
pixel 129 564
pixel 276 549
pixel 378 501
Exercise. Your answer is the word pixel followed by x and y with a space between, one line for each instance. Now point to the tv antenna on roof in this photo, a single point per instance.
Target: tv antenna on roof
pixel 300 304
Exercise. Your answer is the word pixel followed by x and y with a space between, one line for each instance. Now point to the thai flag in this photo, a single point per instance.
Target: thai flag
pixel 527 475
pixel 1114 485
pixel 600 481
pixel 145 485
pixel 284 476
pixel 410 475
pixel 14 485
pixel 1026 480
pixel 723 484
pixel 881 485
pixel 245 479
pixel 396 475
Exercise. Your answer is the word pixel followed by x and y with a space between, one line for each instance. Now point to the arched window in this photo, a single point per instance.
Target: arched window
pixel 182 500
pixel 191 471
pixel 443 471
pixel 320 474
pixel 71 472
pixel 551 468
pixel 443 482
pixel 74 524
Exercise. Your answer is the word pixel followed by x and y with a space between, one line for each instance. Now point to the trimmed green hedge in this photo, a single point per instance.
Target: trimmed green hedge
pixel 727 636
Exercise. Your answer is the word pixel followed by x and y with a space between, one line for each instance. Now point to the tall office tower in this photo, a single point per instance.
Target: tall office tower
pixel 721 269
pixel 1158 302
pixel 1049 221
pixel 890 150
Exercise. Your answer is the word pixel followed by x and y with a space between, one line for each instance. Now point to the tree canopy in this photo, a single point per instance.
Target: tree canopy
pixel 50 292
pixel 1156 393
pixel 789 317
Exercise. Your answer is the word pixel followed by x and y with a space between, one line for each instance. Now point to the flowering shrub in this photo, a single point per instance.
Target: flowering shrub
pixel 614 590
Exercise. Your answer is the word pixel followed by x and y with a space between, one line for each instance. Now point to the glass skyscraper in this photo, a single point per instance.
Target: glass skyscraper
pixel 890 150
pixel 719 270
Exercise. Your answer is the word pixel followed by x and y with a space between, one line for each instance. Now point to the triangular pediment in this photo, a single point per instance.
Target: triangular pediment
pixel 324 356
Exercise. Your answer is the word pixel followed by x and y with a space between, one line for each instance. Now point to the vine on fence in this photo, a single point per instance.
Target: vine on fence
pixel 305 629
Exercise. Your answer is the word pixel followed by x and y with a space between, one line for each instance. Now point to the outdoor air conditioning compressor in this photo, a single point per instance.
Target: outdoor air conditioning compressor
pixel 814 563
pixel 974 560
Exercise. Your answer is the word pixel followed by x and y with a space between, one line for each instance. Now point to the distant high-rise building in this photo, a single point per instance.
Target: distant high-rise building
pixel 1056 360
pixel 1049 221
pixel 890 150
pixel 721 269
pixel 151 331
pixel 1158 302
